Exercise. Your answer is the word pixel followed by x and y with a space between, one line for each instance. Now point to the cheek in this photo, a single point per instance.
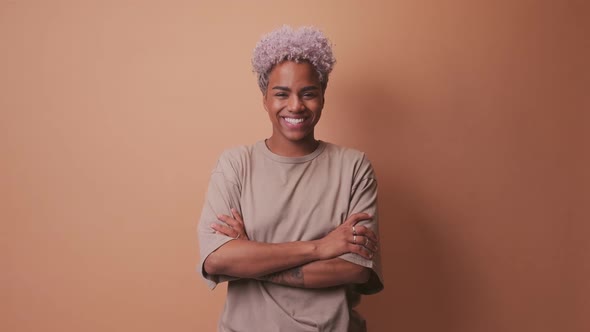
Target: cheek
pixel 316 107
pixel 318 114
pixel 274 106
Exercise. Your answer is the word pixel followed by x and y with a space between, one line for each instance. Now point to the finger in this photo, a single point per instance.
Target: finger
pixel 225 230
pixel 356 217
pixel 365 231
pixel 239 220
pixel 351 220
pixel 223 217
pixel 228 231
pixel 364 241
pixel 229 220
pixel 371 236
pixel 237 215
pixel 367 243
pixel 362 251
pixel 370 245
pixel 361 217
pixel 368 253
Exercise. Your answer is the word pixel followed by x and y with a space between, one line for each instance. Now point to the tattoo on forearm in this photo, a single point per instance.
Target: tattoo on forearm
pixel 291 277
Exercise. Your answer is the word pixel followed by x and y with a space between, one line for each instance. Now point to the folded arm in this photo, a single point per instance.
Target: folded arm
pixel 321 274
pixel 249 259
pixel 310 264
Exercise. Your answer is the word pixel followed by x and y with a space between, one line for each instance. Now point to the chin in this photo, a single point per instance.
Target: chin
pixel 298 137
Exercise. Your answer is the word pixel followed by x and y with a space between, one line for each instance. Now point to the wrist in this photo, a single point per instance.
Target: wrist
pixel 316 252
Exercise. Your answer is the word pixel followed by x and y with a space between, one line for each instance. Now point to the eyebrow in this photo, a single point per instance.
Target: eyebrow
pixel 304 89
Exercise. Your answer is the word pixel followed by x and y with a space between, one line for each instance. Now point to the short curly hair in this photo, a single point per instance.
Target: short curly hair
pixel 306 44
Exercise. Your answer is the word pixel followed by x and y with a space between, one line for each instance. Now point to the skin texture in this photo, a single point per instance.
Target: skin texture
pixel 294 91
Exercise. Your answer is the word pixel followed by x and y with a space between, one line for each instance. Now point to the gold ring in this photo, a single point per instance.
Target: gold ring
pixel 353 231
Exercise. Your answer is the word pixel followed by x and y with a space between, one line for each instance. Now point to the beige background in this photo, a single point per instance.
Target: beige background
pixel 474 113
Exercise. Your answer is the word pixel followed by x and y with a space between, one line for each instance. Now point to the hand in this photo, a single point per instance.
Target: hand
pixel 232 227
pixel 349 238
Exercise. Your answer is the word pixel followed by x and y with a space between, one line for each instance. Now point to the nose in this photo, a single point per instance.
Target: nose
pixel 295 104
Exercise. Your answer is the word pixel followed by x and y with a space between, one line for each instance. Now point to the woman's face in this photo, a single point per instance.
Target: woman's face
pixel 294 100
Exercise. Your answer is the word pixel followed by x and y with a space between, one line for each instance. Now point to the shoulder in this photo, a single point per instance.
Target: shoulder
pixel 351 160
pixel 349 156
pixel 236 155
pixel 233 161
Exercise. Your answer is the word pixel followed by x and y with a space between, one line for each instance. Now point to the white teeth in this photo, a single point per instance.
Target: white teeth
pixel 294 121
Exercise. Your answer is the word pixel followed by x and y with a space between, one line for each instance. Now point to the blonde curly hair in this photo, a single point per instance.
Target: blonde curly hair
pixel 306 44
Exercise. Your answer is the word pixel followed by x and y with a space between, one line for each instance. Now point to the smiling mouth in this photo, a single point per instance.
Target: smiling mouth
pixel 294 120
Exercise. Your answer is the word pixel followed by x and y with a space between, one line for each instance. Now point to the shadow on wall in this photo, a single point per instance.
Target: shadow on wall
pixel 424 270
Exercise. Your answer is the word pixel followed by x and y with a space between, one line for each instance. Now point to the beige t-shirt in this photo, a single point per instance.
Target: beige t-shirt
pixel 284 199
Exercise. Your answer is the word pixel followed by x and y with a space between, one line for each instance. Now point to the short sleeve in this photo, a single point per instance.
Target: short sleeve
pixel 223 194
pixel 363 198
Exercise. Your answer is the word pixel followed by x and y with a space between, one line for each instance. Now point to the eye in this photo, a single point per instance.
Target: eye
pixel 309 95
pixel 281 94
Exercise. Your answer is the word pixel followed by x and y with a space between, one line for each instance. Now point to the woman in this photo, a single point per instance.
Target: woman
pixel 291 221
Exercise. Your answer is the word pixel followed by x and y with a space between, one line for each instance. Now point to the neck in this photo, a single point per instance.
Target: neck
pixel 286 148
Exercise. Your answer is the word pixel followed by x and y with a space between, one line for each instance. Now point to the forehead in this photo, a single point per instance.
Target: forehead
pixel 290 73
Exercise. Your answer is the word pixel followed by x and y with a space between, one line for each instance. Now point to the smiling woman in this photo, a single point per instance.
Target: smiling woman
pixel 291 221
pixel 294 103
